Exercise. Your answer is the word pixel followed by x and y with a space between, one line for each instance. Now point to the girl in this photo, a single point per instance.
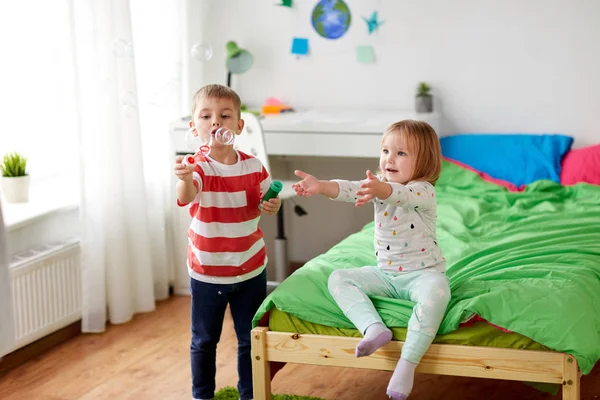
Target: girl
pixel 410 264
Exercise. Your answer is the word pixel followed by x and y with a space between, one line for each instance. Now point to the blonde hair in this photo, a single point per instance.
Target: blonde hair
pixel 423 143
pixel 217 92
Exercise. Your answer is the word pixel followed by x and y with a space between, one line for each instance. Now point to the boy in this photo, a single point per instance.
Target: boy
pixel 226 251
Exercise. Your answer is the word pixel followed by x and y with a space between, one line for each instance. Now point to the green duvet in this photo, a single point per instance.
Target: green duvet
pixel 528 262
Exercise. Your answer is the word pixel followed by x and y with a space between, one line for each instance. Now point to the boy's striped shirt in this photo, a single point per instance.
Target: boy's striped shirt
pixel 225 243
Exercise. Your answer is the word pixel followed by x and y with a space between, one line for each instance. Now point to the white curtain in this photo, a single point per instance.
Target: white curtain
pixel 126 100
pixel 7 329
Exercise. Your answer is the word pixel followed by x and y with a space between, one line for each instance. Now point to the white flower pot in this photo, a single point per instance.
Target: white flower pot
pixel 16 189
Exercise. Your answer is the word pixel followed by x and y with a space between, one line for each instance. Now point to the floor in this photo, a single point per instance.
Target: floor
pixel 148 359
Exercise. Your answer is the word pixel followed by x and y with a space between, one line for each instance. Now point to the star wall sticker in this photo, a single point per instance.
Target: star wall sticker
pixel 373 23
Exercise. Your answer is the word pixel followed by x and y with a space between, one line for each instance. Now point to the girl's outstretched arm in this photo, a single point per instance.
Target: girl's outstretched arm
pixel 309 185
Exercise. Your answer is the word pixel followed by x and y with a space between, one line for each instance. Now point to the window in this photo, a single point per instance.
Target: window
pixel 37 97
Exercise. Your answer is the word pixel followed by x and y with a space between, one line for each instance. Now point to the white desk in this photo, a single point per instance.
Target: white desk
pixel 324 133
pixel 333 133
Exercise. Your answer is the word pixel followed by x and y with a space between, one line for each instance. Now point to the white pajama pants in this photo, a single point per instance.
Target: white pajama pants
pixel 428 288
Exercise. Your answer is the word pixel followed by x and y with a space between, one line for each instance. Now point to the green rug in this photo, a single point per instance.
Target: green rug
pixel 229 393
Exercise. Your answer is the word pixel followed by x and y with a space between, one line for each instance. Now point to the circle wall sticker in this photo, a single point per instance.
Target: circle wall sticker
pixel 331 18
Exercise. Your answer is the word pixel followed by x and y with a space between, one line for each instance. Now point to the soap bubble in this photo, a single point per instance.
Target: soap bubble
pixel 193 141
pixel 129 49
pixel 128 98
pixel 224 136
pixel 129 104
pixel 129 110
pixel 119 47
pixel 201 52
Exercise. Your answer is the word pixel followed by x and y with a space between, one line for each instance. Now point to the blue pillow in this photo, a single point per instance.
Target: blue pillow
pixel 516 158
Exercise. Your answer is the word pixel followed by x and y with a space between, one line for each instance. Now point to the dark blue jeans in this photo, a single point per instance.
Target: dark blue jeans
pixel 209 302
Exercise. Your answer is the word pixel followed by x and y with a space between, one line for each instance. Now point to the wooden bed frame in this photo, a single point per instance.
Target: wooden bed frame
pixel 440 359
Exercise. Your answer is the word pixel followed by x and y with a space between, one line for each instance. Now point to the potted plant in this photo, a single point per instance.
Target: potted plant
pixel 424 99
pixel 15 180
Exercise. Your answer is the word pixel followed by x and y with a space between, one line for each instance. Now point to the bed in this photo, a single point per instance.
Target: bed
pixel 524 264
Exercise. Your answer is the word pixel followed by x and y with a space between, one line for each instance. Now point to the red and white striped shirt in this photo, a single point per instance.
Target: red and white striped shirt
pixel 225 244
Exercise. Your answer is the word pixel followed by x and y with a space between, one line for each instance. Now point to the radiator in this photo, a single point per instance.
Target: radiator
pixel 46 290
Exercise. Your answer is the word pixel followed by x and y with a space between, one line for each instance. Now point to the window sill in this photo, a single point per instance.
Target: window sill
pixel 45 199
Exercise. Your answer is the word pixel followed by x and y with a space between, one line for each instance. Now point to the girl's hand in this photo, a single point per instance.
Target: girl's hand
pixel 181 171
pixel 271 207
pixel 371 189
pixel 308 186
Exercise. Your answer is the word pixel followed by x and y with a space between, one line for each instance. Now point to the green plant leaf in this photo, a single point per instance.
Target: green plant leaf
pixel 13 165
pixel 423 90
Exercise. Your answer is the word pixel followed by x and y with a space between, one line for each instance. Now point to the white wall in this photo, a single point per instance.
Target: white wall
pixel 495 66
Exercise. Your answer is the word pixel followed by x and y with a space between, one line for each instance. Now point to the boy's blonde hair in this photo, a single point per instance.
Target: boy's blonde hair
pixel 217 92
pixel 423 143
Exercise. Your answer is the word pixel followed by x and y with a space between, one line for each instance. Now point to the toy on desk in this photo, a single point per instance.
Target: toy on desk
pixel 194 142
pixel 273 191
pixel 245 108
pixel 274 106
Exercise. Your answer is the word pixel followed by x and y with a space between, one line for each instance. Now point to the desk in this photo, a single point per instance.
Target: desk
pixel 323 133
pixel 333 133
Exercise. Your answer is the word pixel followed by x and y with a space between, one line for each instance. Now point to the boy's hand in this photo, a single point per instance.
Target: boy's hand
pixel 271 207
pixel 371 189
pixel 181 171
pixel 308 186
